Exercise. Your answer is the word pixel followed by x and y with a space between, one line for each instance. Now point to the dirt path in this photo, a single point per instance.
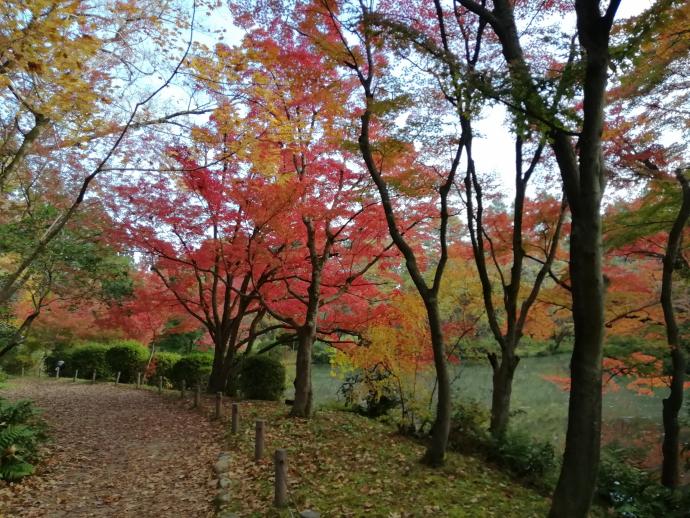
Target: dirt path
pixel 116 451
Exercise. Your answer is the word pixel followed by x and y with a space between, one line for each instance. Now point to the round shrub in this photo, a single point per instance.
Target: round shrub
pixel 262 377
pixel 90 357
pixel 13 363
pixel 127 358
pixel 164 363
pixel 193 368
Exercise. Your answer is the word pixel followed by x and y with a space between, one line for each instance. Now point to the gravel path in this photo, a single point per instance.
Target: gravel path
pixel 116 451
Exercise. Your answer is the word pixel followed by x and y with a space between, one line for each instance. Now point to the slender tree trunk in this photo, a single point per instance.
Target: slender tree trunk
pixel 435 453
pixel 670 468
pixel 302 406
pixel 503 373
pixel 575 488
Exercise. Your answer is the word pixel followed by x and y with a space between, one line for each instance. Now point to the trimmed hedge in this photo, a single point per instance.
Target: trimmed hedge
pixel 262 377
pixel 127 358
pixel 164 363
pixel 88 357
pixel 193 368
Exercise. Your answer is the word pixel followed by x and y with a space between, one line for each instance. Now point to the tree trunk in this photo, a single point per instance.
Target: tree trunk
pixel 502 389
pixel 218 379
pixel 436 451
pixel 575 488
pixel 670 468
pixel 302 406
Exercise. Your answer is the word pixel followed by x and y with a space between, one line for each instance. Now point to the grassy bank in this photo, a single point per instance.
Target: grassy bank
pixel 344 465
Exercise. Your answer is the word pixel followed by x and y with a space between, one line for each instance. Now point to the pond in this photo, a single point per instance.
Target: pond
pixel 539 406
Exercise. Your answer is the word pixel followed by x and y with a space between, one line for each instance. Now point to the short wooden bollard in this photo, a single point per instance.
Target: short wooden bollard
pixel 117 378
pixel 57 372
pixel 76 374
pixel 219 405
pixel 182 389
pixel 280 462
pixel 93 376
pixel 197 396
pixel 138 379
pixel 259 440
pixel 22 372
pixel 235 424
pixel 160 384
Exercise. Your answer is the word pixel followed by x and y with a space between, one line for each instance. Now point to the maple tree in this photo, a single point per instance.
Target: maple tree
pixel 343 31
pixel 397 353
pixel 195 230
pixel 326 236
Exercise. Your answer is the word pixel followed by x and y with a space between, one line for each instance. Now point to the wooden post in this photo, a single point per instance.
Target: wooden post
pixel 259 440
pixel 57 372
pixel 182 389
pixel 22 372
pixel 160 384
pixel 219 405
pixel 197 396
pixel 39 372
pixel 117 378
pixel 93 376
pixel 235 426
pixel 280 462
pixel 76 374
pixel 138 379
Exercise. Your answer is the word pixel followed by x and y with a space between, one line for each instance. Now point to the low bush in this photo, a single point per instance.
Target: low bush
pixel 632 492
pixel 21 433
pixel 369 392
pixel 521 455
pixel 89 357
pixel 193 368
pixel 262 377
pixel 469 428
pixel 128 358
pixel 14 362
